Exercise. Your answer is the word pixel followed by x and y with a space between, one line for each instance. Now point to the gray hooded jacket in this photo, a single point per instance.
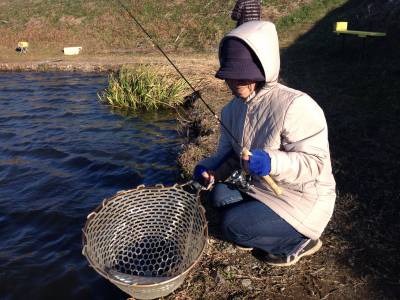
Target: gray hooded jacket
pixel 291 127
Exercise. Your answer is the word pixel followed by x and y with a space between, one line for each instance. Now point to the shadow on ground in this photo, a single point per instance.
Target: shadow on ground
pixel 358 88
pixel 359 94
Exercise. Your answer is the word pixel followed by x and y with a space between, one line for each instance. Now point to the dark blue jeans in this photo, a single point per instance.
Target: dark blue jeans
pixel 249 222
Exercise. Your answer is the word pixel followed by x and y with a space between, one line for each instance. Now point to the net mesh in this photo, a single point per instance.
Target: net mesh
pixel 146 236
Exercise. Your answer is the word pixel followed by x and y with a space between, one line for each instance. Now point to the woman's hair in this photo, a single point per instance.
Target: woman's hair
pixel 259 85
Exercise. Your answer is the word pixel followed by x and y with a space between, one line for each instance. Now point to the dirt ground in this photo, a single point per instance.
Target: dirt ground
pixel 359 258
pixel 337 271
pixel 103 62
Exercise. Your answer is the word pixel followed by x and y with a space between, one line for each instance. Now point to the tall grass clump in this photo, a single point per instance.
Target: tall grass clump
pixel 143 88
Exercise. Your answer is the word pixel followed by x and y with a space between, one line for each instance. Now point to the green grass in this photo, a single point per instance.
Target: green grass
pixel 143 88
pixel 100 26
pixel 20 12
pixel 195 25
pixel 192 24
pixel 308 13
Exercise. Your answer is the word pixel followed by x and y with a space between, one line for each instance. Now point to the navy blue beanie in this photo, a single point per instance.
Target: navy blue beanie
pixel 238 61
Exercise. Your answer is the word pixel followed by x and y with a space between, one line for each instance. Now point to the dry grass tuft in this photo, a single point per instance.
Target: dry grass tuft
pixel 143 88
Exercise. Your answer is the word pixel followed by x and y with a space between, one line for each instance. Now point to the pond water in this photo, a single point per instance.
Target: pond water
pixel 61 154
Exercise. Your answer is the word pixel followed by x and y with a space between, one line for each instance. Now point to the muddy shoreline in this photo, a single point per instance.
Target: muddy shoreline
pixel 57 66
pixel 192 63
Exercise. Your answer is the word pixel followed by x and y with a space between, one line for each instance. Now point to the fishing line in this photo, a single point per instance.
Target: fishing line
pixel 179 72
pixel 245 152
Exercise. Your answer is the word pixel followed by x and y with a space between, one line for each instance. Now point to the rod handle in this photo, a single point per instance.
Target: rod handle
pixel 268 179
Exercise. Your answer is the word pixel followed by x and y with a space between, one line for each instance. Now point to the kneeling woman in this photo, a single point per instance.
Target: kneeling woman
pixel 287 134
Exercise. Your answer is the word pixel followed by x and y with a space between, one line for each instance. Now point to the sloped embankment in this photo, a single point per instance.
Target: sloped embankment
pixel 359 94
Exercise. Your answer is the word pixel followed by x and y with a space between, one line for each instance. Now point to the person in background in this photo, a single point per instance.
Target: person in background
pixel 287 134
pixel 246 10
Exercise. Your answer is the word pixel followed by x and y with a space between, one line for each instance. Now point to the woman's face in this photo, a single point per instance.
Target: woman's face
pixel 241 88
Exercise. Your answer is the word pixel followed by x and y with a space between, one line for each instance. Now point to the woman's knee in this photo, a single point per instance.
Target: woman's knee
pixel 223 195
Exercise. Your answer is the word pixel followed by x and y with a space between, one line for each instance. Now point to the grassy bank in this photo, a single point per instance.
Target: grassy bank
pixel 102 27
pixel 193 25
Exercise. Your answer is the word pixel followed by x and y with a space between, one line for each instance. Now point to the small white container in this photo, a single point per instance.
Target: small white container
pixel 72 50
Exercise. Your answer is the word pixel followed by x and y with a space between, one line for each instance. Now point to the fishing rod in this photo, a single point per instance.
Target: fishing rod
pixel 245 152
pixel 179 72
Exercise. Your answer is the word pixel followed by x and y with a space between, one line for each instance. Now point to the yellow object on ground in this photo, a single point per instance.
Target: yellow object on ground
pixel 340 26
pixel 23 44
pixel 23 47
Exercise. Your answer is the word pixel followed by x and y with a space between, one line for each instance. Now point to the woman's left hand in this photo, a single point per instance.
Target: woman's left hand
pixel 258 163
pixel 203 176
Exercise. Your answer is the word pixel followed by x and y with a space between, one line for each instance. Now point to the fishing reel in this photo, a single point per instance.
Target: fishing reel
pixel 239 179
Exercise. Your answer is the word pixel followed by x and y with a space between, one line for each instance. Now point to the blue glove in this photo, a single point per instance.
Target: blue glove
pixel 198 170
pixel 259 163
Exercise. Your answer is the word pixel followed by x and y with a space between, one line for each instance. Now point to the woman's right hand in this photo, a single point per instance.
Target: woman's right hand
pixel 203 176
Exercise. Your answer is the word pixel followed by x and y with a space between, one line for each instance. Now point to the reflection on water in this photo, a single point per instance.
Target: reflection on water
pixel 61 153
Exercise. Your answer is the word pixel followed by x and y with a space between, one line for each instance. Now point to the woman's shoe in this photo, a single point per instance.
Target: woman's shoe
pixel 309 247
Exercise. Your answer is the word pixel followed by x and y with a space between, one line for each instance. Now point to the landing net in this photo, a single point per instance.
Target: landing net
pixel 147 239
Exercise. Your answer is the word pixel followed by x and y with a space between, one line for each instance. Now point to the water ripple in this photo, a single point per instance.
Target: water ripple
pixel 61 154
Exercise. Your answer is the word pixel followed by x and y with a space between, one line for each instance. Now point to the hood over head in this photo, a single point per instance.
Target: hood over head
pixel 261 37
pixel 238 61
